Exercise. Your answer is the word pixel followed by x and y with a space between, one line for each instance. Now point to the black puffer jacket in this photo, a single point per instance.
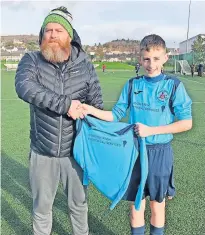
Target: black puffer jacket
pixel 49 90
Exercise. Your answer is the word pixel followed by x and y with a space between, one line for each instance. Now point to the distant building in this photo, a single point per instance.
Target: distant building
pixel 15 41
pixel 12 56
pixel 92 56
pixel 11 49
pixel 113 60
pixel 189 43
pixel 173 51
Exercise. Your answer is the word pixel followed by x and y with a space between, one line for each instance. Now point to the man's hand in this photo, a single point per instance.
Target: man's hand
pixel 143 130
pixel 75 110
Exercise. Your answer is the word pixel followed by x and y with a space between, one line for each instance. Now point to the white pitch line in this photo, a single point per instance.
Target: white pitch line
pixel 195 102
pixel 193 81
pixel 108 101
pixel 198 102
pixel 10 99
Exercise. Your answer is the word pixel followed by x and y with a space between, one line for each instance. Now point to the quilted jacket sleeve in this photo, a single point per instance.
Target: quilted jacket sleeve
pixel 30 90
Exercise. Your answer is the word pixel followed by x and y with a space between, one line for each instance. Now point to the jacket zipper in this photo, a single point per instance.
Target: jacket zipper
pixel 61 118
pixel 34 117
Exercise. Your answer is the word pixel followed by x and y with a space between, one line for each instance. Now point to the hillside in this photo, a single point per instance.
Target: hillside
pixel 22 38
pixel 116 50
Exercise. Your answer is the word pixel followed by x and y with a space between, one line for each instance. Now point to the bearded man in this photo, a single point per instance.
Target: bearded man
pixel 55 81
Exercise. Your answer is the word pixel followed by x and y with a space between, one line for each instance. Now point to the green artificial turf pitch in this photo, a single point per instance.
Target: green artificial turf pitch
pixel 185 213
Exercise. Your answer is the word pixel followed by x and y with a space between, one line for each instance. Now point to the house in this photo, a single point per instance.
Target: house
pixel 186 46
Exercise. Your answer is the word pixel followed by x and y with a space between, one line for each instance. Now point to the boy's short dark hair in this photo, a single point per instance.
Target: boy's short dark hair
pixel 152 41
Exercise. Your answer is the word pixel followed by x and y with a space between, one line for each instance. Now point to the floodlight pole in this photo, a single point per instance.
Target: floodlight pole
pixel 188 27
pixel 175 63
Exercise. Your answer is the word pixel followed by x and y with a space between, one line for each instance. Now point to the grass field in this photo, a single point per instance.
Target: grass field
pixel 3 62
pixel 115 66
pixel 185 213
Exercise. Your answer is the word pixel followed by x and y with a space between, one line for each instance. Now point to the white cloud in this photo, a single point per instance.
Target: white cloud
pixel 102 21
pixel 134 30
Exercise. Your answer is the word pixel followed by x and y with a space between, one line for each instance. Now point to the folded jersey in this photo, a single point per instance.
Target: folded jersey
pixel 107 152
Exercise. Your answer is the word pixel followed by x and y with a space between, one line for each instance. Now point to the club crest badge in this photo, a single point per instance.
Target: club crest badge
pixel 163 95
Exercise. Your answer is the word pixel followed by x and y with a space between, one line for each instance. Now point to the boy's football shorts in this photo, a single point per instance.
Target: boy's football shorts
pixel 160 181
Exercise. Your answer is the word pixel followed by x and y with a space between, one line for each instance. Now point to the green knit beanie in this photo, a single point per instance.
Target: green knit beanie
pixel 57 16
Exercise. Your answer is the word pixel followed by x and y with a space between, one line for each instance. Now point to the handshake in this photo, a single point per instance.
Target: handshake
pixel 78 110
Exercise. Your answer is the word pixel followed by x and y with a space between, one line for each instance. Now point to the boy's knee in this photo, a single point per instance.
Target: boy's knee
pixel 134 213
pixel 137 217
pixel 157 207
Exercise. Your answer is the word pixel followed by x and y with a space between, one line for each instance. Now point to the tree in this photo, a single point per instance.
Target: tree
pixel 9 44
pixel 32 46
pixel 100 53
pixel 198 48
pixel 86 47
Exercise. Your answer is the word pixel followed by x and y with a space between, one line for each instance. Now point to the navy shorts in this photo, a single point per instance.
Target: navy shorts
pixel 160 181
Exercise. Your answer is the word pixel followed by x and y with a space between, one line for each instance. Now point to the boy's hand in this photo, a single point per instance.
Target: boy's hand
pixel 86 109
pixel 142 130
pixel 75 110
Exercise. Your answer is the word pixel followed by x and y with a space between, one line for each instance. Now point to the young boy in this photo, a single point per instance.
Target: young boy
pixel 192 70
pixel 103 68
pixel 137 68
pixel 160 107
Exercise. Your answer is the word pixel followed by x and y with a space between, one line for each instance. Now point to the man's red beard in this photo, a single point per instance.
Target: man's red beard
pixel 55 50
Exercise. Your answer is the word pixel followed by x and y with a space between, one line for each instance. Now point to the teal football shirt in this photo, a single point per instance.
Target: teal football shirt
pixel 107 151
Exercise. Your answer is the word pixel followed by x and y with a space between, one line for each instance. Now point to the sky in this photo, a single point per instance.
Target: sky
pixel 103 21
